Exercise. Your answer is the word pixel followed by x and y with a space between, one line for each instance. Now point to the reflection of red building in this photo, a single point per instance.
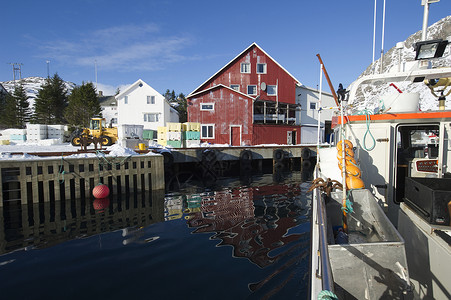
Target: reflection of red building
pixel 251 220
pixel 251 101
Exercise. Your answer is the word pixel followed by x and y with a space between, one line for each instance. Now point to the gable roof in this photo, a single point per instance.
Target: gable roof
pixel 132 86
pixel 234 59
pixel 222 86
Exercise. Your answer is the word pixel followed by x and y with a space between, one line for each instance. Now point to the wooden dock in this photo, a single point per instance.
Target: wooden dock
pixel 43 180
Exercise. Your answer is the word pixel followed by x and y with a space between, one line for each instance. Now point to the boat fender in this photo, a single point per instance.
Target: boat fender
pixel 348 152
pixel 353 170
pixel 209 155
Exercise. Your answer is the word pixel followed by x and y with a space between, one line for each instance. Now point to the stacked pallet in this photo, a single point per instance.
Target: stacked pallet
pixel 191 134
pixel 162 136
pixel 55 132
pixel 36 132
pixel 174 135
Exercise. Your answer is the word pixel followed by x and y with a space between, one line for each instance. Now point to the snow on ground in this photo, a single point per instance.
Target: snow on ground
pixel 6 151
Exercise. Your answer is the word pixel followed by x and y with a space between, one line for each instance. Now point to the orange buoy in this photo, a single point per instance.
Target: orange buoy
pixel 352 170
pixel 347 143
pixel 100 191
pixel 353 182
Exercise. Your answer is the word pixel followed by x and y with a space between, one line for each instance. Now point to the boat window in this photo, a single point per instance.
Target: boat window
pixel 417 154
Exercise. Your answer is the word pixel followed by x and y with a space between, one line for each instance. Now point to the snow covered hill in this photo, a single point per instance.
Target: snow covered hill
pixel 390 61
pixel 32 86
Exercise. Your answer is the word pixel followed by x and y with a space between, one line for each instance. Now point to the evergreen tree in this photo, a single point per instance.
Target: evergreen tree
pixel 2 107
pixel 9 116
pixel 51 102
pixel 178 102
pixel 83 105
pixel 181 108
pixel 22 106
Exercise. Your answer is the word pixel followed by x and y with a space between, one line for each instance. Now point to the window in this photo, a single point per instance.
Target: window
pixel 207 106
pixel 245 67
pixel 252 90
pixel 261 68
pixel 208 131
pixel 151 117
pixel 271 90
pixel 312 105
pixel 125 99
pixel 150 99
pixel 236 87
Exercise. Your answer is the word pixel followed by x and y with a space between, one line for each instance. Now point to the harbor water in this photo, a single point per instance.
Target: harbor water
pixel 239 239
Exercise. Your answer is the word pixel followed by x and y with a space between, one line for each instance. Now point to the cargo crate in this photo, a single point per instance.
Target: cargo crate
pixel 175 144
pixel 429 197
pixel 191 135
pixel 191 126
pixel 174 126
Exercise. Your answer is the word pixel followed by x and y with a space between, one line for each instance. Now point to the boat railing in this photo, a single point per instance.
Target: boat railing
pixel 324 270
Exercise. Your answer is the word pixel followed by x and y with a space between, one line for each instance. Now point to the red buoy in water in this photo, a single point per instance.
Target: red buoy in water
pixel 100 204
pixel 100 191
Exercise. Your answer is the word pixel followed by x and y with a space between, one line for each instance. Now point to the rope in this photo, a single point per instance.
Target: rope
pixel 103 161
pixel 348 209
pixel 367 118
pixel 325 294
pixel 61 171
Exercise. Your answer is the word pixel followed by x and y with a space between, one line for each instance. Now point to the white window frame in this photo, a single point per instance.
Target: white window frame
pixel 207 109
pixel 247 70
pixel 255 89
pixel 125 99
pixel 264 68
pixel 150 99
pixel 275 89
pixel 146 117
pixel 202 131
pixel 235 85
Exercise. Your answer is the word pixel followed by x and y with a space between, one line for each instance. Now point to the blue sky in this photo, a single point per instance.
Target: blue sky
pixel 177 45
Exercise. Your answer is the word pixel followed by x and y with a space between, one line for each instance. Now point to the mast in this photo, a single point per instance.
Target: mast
pixel 426 3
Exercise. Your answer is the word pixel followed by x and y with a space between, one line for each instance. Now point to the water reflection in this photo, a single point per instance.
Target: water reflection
pixel 43 225
pixel 254 220
pixel 263 221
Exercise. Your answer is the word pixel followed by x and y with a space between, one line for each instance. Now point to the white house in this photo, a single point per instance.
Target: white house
pixel 108 105
pixel 140 104
pixel 308 98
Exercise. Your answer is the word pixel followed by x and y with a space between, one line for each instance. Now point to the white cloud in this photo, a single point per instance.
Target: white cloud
pixel 120 48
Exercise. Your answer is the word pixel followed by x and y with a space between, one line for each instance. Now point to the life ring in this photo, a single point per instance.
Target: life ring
pixel 305 153
pixel 278 155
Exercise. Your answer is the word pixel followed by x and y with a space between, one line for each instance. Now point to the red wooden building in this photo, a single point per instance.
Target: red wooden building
pixel 250 101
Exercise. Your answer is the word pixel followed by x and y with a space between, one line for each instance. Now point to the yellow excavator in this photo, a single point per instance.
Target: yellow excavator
pixel 97 131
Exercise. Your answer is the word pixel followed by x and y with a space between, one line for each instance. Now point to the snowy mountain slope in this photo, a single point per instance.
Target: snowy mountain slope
pixel 369 96
pixel 32 85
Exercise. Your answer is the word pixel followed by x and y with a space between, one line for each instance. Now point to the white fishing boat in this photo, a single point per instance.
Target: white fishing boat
pixel 387 233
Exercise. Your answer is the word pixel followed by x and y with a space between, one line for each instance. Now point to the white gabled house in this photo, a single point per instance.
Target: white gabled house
pixel 140 104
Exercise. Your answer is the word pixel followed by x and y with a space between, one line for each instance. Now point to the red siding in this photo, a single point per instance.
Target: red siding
pixel 274 134
pixel 275 75
pixel 233 108
pixel 230 108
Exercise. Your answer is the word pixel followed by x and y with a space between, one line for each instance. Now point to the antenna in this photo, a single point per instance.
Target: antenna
pixel 383 33
pixel 48 68
pixel 17 71
pixel 95 64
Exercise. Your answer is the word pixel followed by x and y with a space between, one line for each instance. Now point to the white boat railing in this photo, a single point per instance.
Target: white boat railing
pixel 326 270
